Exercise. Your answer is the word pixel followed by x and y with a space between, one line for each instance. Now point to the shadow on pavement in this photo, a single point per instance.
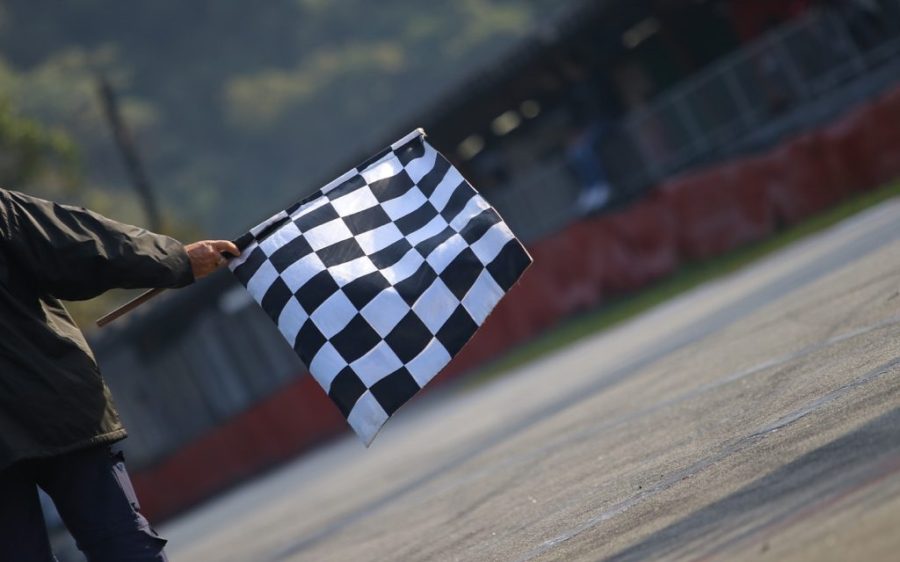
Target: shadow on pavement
pixel 781 497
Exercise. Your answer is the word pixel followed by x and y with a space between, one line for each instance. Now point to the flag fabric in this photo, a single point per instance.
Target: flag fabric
pixel 378 279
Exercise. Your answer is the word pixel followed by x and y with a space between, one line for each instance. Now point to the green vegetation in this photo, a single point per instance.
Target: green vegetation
pixel 240 107
pixel 30 152
pixel 685 279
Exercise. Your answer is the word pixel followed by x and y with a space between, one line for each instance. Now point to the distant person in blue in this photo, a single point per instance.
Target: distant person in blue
pixel 57 419
pixel 581 153
pixel 588 124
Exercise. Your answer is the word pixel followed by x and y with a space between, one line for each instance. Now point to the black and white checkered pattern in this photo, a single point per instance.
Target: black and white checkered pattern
pixel 381 277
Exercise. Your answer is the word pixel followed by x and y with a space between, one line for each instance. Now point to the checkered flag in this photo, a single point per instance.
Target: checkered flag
pixel 378 279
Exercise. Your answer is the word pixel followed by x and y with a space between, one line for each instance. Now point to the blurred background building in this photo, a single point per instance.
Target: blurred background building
pixel 564 114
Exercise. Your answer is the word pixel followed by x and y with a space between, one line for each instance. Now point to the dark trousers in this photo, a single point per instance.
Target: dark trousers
pixel 94 497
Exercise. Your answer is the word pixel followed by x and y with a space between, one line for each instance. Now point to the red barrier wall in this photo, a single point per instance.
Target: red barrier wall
pixel 696 216
pixel 647 232
pixel 801 183
pixel 720 208
pixel 293 419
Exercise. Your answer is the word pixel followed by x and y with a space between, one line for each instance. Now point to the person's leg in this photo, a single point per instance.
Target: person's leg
pixel 94 497
pixel 23 535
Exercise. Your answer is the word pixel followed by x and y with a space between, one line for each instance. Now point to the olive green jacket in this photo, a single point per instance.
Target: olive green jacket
pixel 52 397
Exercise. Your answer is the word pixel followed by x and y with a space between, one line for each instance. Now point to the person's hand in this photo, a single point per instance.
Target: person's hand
pixel 206 255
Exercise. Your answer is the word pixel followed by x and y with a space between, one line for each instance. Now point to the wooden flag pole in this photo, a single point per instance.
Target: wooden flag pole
pixel 128 307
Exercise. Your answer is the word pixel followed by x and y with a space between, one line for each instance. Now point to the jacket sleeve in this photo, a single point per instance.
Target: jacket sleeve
pixel 75 254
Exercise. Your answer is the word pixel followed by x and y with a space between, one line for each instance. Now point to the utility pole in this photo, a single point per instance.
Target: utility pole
pixel 127 149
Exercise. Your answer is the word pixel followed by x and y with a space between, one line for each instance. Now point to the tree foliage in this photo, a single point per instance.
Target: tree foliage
pixel 30 152
pixel 239 107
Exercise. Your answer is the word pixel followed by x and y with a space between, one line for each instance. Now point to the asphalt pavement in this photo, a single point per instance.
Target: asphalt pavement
pixel 756 417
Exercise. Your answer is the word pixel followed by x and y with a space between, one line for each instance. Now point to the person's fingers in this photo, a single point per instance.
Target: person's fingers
pixel 207 255
pixel 226 246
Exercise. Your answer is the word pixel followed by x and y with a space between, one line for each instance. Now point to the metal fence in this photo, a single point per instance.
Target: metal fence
pixel 175 379
pixel 200 363
pixel 791 78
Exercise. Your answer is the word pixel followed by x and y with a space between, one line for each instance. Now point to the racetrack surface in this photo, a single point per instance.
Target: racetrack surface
pixel 756 417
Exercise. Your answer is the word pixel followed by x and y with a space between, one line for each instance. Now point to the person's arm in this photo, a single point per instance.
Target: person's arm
pixel 75 254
